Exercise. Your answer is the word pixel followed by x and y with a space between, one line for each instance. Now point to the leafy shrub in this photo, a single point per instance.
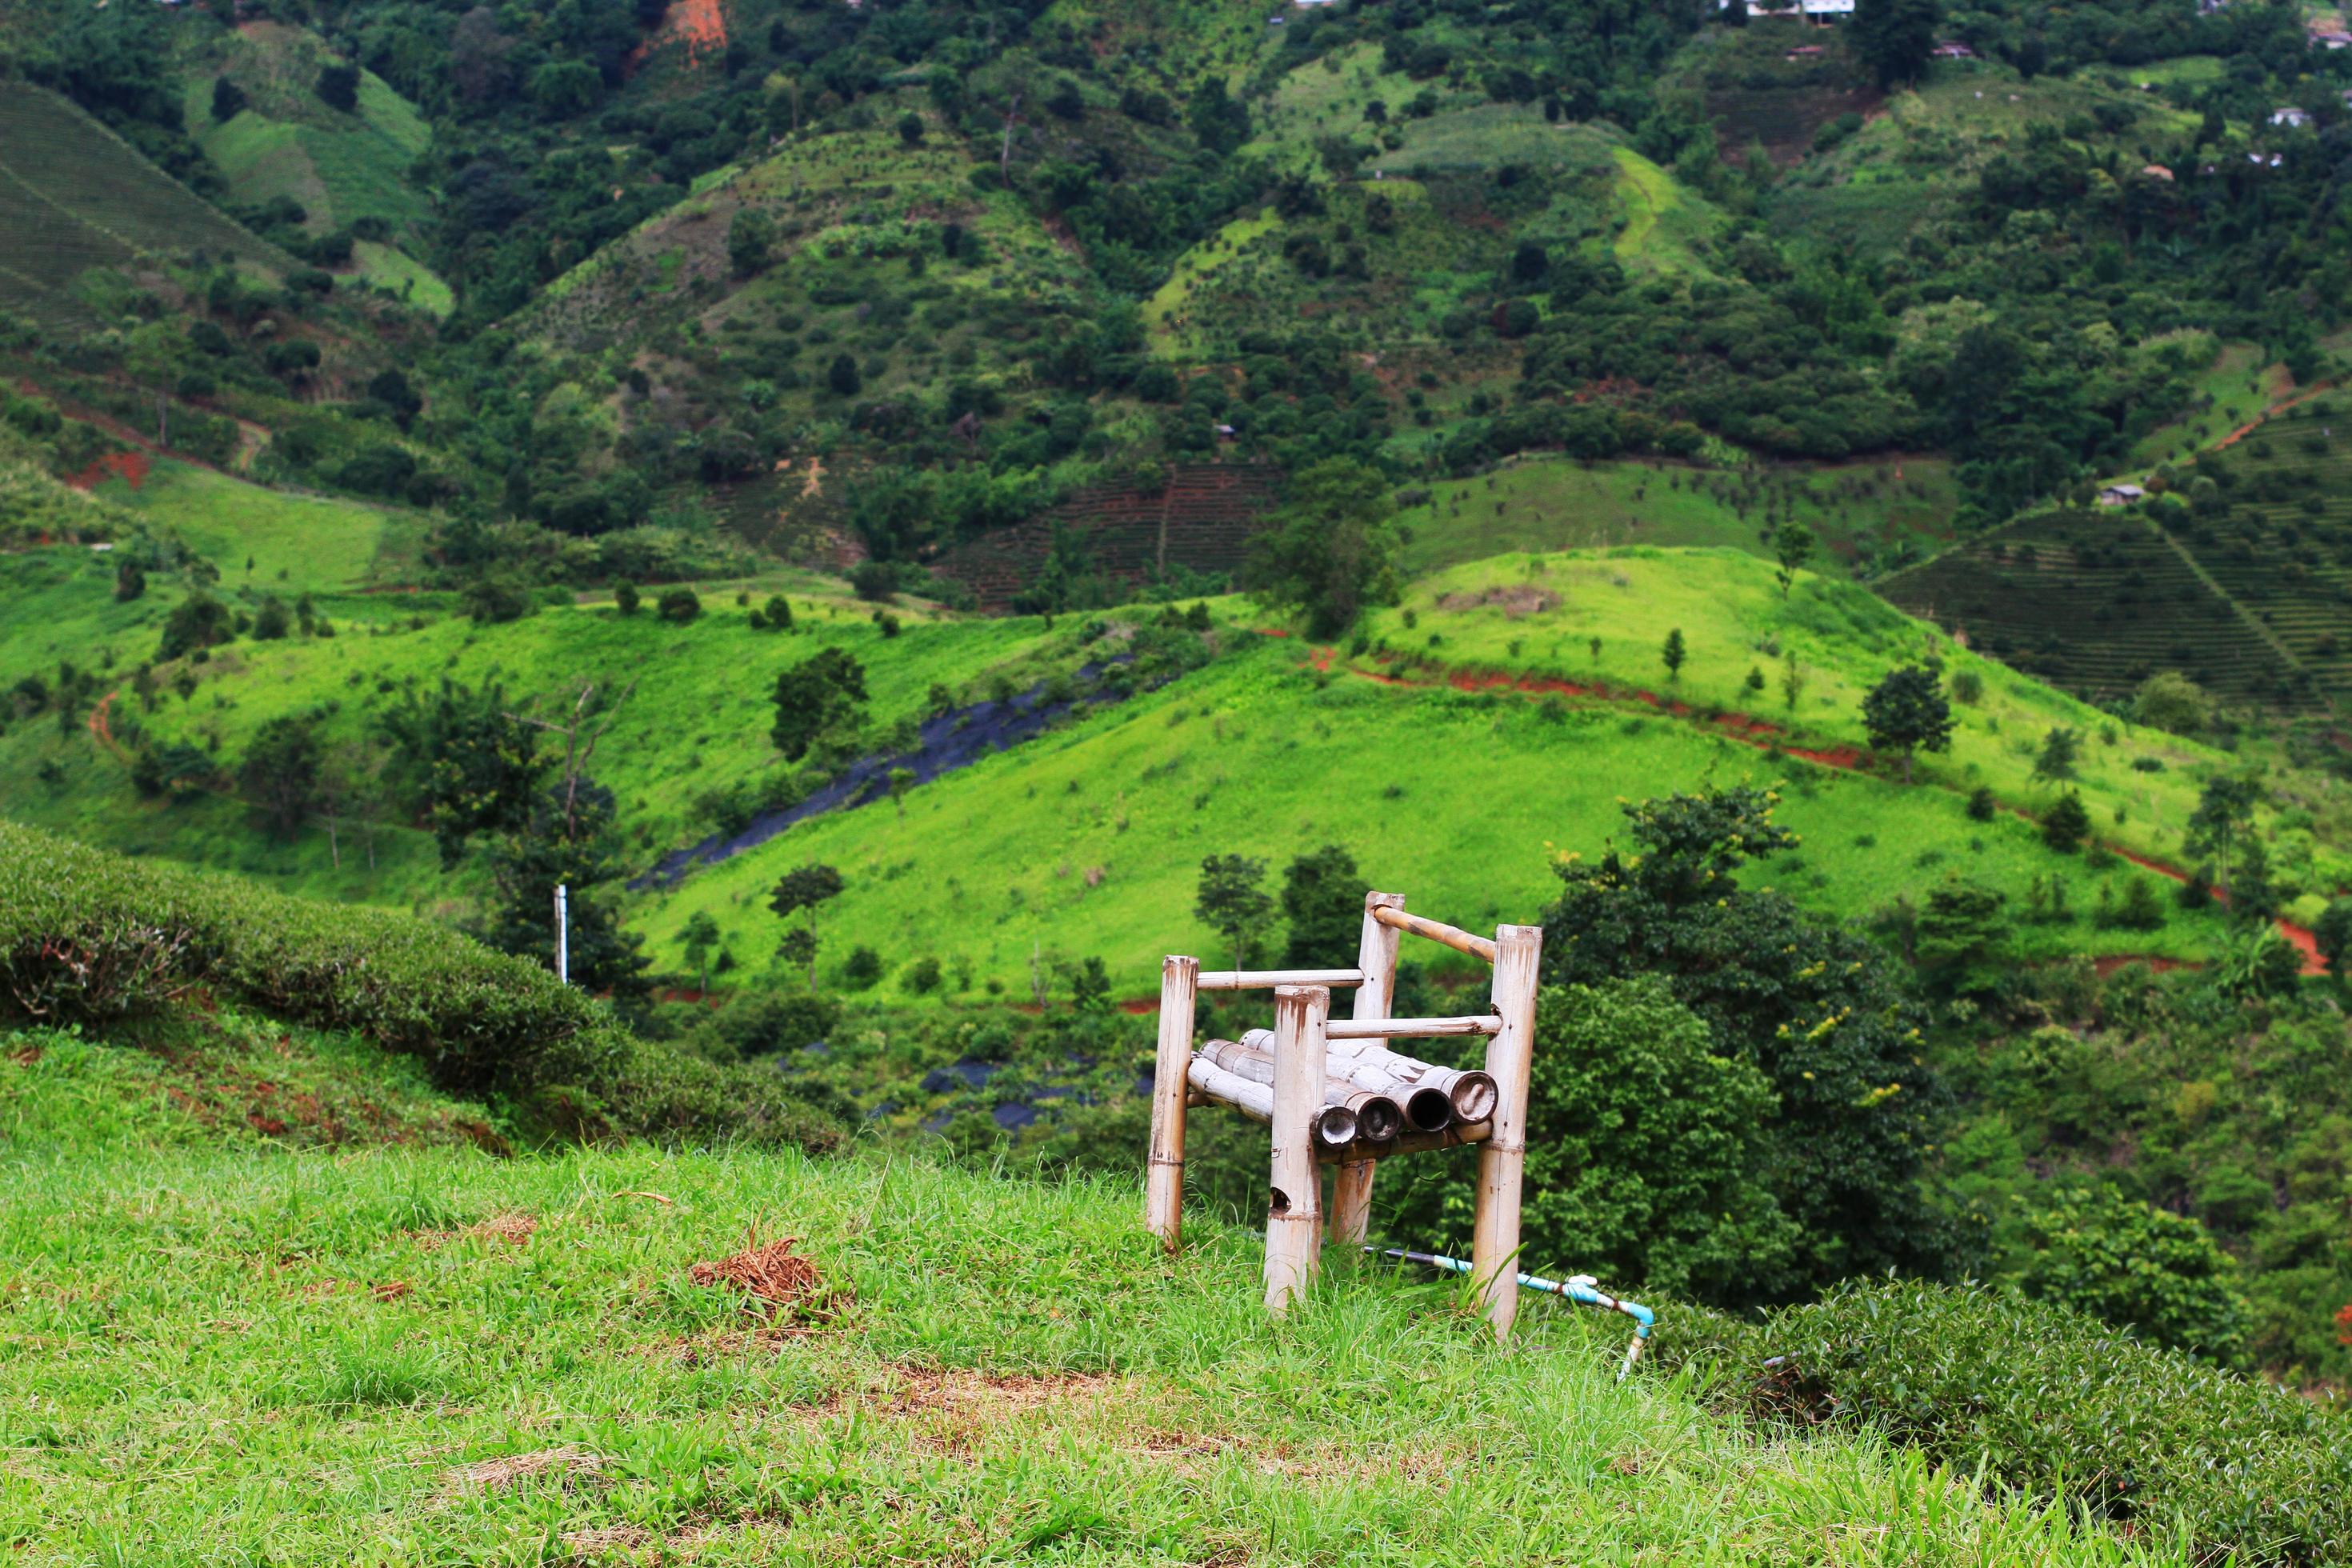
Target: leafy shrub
pixel 2044 1398
pixel 679 605
pixel 88 936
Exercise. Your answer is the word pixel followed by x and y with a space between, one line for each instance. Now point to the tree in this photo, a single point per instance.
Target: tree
pixel 779 614
pixel 2139 1268
pixel 679 605
pixel 466 761
pixel 2060 748
pixel 570 839
pixel 901 780
pixel 823 692
pixel 1323 904
pixel 751 234
pixel 800 891
pixel 229 100
pixel 1960 941
pixel 1674 653
pixel 1220 125
pixel 1821 1012
pixel 2170 700
pixel 1230 899
pixel 2253 895
pixel 198 621
pixel 1908 712
pixel 280 771
pixel 625 598
pixel 271 622
pixel 2333 933
pixel 843 377
pixel 1792 677
pixel 130 582
pixel 339 87
pixel 2066 823
pixel 1331 550
pixel 2225 812
pixel 1894 38
pixel 700 939
pixel 1792 546
pixel 911 129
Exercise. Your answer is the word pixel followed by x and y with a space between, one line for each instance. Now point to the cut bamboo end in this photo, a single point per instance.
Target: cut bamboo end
pixel 1428 1111
pixel 1438 931
pixel 1459 1135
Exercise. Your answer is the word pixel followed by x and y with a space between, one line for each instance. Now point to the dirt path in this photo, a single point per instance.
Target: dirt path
pixel 1765 736
pixel 102 727
pixel 2272 412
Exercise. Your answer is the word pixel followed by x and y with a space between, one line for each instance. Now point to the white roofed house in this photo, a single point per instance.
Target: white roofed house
pixel 2291 117
pixel 1820 12
pixel 2121 495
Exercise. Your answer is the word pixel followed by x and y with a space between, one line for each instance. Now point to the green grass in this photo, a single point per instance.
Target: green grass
pixel 2237 388
pixel 1878 508
pixel 404 277
pixel 1663 227
pixel 435 1356
pixel 1165 314
pixel 297 543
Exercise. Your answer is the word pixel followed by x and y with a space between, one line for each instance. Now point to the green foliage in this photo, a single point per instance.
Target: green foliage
pixel 2040 1398
pixel 821 695
pixel 280 773
pixel 1820 1012
pixel 1894 38
pixel 2056 761
pixel 198 621
pixel 1323 907
pixel 2170 700
pixel 1961 939
pixel 2066 823
pixel 92 938
pixel 1332 550
pixel 625 598
pixel 1231 899
pixel 1908 712
pixel 2113 1258
pixel 751 235
pixel 1792 546
pixel 2333 931
pixel 1673 653
pixel 679 605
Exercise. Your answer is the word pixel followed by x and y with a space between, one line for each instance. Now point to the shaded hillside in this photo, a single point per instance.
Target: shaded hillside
pixel 1201 520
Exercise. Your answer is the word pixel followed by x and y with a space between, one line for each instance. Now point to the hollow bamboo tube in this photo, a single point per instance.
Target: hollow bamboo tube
pixel 1454 937
pixel 1163 1176
pixel 1333 1127
pixel 1502 1161
pixel 1294 1230
pixel 1422 1090
pixel 1267 979
pixel 1379 1117
pixel 1376 958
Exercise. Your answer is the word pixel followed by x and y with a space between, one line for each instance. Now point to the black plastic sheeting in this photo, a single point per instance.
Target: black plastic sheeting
pixel 956 739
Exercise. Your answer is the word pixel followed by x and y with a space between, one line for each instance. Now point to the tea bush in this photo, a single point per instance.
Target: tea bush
pixel 90 937
pixel 2046 1400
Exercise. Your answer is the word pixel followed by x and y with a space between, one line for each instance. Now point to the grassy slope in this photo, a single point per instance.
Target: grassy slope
pixel 1085 842
pixel 429 1354
pixel 1555 503
pixel 297 542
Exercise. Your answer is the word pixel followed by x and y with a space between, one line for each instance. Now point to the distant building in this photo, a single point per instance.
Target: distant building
pixel 2291 117
pixel 1820 12
pixel 2331 40
pixel 2122 495
pixel 2158 171
pixel 1953 50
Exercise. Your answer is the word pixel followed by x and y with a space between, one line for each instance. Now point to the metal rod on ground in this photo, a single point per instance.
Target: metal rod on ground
pixel 1578 1288
pixel 562 935
pixel 1163 1186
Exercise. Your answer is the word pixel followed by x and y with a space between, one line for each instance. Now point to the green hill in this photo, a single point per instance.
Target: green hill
pixel 74 196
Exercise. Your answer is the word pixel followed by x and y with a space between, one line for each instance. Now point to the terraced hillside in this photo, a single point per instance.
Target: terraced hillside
pixel 2094 601
pixel 73 196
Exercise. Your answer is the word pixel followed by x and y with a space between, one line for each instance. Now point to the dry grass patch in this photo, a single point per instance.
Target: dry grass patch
pixel 511 1470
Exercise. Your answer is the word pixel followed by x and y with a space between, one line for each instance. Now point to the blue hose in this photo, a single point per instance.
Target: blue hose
pixel 1578 1288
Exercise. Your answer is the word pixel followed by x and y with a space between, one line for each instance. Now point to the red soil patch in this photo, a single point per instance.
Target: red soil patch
pixel 100 729
pixel 699 24
pixel 129 467
pixel 2272 412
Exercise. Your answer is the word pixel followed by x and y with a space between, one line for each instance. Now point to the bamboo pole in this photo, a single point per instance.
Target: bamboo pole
pixel 1376 958
pixel 1379 1117
pixel 1332 1126
pixel 1412 1028
pixel 1267 979
pixel 1502 1161
pixel 1459 1135
pixel 1454 937
pixel 1427 1094
pixel 1293 1225
pixel 1163 1177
